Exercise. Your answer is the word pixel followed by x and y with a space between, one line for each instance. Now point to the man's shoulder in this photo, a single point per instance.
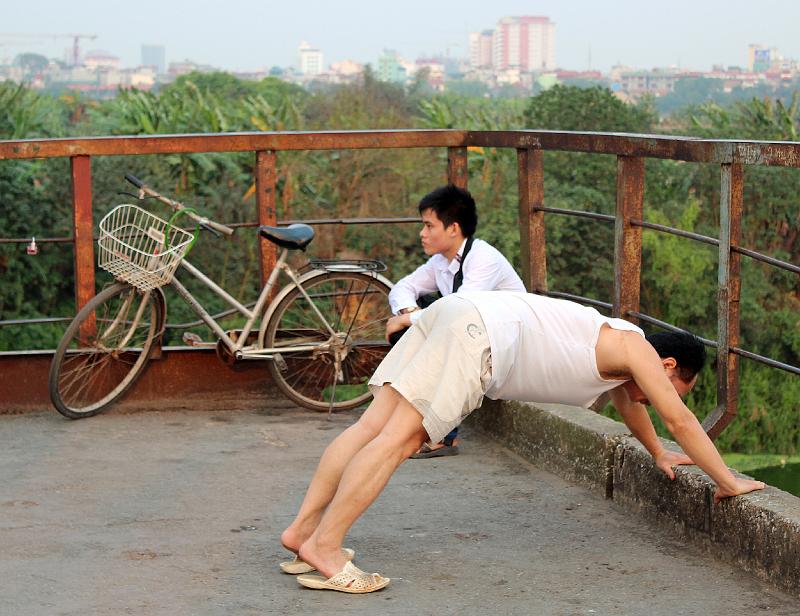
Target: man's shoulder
pixel 485 253
pixel 484 248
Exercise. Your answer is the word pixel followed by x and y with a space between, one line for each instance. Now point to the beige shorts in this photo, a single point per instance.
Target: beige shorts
pixel 442 365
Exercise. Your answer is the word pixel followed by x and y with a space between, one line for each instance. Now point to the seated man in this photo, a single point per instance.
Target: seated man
pixel 458 262
pixel 513 346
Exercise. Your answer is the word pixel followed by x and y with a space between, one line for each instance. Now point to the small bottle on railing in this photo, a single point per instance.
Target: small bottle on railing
pixel 32 248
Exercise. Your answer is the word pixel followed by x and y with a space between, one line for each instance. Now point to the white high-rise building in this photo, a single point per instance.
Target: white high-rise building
pixel 524 43
pixel 480 49
pixel 310 60
pixel 155 57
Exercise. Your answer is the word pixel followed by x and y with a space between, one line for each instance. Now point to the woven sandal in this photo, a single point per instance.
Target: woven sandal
pixel 350 579
pixel 298 565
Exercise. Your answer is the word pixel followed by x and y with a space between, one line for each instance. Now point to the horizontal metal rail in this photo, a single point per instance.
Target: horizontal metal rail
pixel 689 149
pixel 237 225
pixel 577 213
pixel 789 267
pixel 35 321
pixel 578 298
pixel 766 360
pixel 671 328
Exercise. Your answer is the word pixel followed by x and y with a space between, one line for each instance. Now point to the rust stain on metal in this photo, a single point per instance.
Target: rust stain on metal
pixel 266 177
pixel 628 237
pixel 457 174
pixel 191 375
pixel 728 294
pixel 82 231
pixel 530 177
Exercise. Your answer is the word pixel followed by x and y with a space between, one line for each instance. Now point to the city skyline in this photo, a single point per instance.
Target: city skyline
pixel 251 35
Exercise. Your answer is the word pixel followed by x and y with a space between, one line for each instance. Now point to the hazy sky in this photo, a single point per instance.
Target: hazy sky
pixel 250 34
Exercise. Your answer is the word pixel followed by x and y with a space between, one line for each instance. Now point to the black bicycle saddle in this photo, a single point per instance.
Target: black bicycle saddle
pixel 296 236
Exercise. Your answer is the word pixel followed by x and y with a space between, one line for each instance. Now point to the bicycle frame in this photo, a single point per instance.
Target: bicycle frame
pixel 238 348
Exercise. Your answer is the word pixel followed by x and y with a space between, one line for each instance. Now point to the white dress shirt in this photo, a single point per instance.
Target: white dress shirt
pixel 485 269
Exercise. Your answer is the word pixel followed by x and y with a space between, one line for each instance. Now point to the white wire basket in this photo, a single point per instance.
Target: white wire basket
pixel 132 247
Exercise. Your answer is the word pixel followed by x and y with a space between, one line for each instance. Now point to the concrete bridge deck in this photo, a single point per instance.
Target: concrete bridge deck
pixel 179 512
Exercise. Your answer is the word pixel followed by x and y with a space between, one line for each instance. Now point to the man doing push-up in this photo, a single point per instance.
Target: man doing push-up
pixel 508 346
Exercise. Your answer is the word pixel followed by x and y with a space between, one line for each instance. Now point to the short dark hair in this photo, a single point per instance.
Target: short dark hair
pixel 686 349
pixel 452 204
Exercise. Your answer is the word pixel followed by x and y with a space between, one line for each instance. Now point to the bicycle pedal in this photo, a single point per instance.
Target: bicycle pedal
pixel 280 362
pixel 191 339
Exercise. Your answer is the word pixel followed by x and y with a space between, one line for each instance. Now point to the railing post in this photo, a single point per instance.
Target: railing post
pixel 530 177
pixel 82 223
pixel 728 293
pixel 627 237
pixel 457 167
pixel 265 206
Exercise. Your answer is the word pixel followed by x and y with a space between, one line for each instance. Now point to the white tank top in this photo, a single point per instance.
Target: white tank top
pixel 543 349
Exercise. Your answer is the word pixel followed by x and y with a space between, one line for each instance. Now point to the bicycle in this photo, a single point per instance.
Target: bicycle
pixel 323 332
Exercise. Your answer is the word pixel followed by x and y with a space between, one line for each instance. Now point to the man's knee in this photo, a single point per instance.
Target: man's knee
pixel 372 421
pixel 414 443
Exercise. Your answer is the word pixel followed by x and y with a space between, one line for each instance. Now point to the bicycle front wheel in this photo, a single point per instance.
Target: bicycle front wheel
pixel 342 344
pixel 104 349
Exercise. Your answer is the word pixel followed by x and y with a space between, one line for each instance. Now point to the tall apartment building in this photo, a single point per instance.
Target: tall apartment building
pixel 525 43
pixel 154 56
pixel 391 67
pixel 480 49
pixel 310 60
pixel 761 58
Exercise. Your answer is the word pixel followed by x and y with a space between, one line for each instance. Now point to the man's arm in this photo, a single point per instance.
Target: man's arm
pixel 647 370
pixel 638 421
pixel 405 292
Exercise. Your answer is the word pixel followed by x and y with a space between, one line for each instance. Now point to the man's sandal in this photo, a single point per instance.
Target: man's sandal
pixel 350 579
pixel 298 565
pixel 426 451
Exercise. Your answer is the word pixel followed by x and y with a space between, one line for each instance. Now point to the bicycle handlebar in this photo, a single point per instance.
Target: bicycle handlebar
pixel 134 180
pixel 177 206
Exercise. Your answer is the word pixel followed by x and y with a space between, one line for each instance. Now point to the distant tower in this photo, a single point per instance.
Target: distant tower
pixel 155 56
pixel 310 60
pixel 526 43
pixel 390 67
pixel 480 49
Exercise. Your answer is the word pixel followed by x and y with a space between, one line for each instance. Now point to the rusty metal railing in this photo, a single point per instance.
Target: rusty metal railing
pixel 630 150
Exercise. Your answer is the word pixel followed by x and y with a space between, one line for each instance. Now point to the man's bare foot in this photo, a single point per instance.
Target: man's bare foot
pixel 741 486
pixel 294 536
pixel 329 560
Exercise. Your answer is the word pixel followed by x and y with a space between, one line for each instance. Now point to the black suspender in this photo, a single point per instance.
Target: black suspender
pixel 458 279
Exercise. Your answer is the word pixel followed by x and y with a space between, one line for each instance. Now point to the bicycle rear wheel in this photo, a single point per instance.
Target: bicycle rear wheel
pixel 356 306
pixel 104 349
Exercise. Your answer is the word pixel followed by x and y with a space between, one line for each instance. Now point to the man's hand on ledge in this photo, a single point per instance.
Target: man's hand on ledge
pixel 740 486
pixel 667 459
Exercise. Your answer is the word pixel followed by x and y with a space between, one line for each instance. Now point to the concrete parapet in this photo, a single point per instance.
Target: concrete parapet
pixel 760 531
pixel 575 446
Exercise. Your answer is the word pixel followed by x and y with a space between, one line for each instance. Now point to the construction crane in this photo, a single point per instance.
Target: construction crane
pixel 76 49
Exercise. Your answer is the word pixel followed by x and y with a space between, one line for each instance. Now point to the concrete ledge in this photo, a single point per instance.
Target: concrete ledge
pixel 760 532
pixel 578 446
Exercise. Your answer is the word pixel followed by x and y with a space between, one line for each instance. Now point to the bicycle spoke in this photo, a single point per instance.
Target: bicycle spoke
pixel 356 306
pixel 88 375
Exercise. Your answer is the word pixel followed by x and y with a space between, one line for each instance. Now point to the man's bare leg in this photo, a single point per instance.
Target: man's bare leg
pixel 332 464
pixel 362 481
